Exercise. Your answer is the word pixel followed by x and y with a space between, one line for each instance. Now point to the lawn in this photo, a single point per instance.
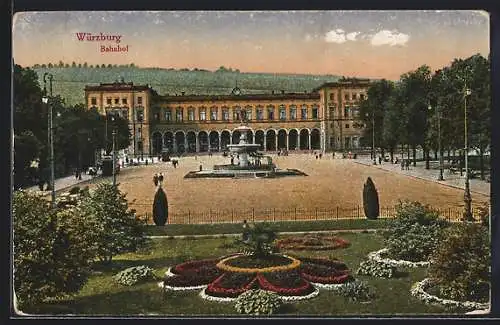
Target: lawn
pixel 101 296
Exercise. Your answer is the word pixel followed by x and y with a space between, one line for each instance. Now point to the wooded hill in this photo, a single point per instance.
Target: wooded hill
pixel 69 82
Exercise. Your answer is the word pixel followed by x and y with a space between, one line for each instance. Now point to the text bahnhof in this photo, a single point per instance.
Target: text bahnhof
pixel 327 118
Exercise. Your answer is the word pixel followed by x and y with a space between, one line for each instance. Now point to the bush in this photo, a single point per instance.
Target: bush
pixel 53 249
pixel 356 291
pixel 258 302
pixel 160 208
pixel 372 268
pixel 461 264
pixel 415 232
pixel 260 239
pixel 370 200
pixel 117 229
pixel 134 275
pixel 74 190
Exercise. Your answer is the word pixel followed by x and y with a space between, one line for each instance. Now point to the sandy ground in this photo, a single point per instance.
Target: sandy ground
pixel 330 184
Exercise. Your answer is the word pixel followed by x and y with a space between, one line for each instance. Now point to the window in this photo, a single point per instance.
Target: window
pixel 191 114
pixel 332 96
pixel 140 115
pixel 168 114
pixel 315 112
pixel 353 97
pixel 124 101
pixel 108 101
pixel 259 113
pixel 178 114
pixel 270 112
pixel 117 100
pixel 362 96
pixel 303 112
pixel 346 96
pixel 139 146
pixel 225 114
pixel 293 112
pixel 346 111
pixel 248 113
pixel 236 113
pixel 203 114
pixel 213 114
pixel 347 126
pixel 93 101
pixel 282 112
pixel 139 100
pixel 157 117
pixel 331 111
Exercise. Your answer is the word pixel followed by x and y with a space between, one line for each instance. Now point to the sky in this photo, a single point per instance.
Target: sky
pixel 371 44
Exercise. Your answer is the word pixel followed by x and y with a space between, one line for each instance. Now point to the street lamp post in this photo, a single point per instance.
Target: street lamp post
pixel 114 159
pixel 45 100
pixel 467 196
pixel 440 177
pixel 373 138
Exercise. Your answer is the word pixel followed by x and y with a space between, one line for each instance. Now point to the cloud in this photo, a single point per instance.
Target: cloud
pixel 387 37
pixel 352 36
pixel 335 36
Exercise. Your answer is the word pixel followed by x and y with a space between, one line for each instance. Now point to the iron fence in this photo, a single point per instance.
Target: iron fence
pixel 212 216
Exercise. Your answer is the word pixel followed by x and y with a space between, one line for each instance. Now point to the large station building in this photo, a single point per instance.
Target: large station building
pixel 324 119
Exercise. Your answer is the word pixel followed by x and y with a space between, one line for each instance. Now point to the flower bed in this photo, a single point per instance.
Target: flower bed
pixel 192 265
pixel 418 290
pixel 223 265
pixel 312 242
pixel 224 287
pixel 378 256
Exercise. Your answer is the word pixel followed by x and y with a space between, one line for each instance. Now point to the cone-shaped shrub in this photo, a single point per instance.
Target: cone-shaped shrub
pixel 160 208
pixel 370 200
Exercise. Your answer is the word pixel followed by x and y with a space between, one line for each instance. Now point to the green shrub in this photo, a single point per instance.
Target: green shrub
pixel 461 263
pixel 414 233
pixel 160 208
pixel 134 275
pixel 53 249
pixel 373 268
pixel 117 229
pixel 356 291
pixel 258 302
pixel 260 239
pixel 75 190
pixel 370 200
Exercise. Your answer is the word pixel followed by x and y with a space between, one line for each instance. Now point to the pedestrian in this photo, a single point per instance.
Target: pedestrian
pixel 380 160
pixel 402 164
pixel 316 156
pixel 201 168
pixel 155 179
pixel 76 173
pixel 232 160
pixel 320 155
pixel 160 178
pixel 408 164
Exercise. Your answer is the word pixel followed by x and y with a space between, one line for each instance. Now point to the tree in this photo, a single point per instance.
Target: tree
pixel 110 65
pixel 370 200
pixel 60 64
pixel 160 208
pixel 103 65
pixel 73 64
pixel 53 249
pixel 118 229
pixel 260 239
pixel 85 64
pixel 79 65
pixel 374 106
pixel 26 149
pixel 50 65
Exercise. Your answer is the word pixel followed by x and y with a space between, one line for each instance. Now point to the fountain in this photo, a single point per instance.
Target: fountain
pixel 250 162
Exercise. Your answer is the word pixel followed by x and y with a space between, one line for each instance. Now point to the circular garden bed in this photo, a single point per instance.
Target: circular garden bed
pixel 312 242
pixel 226 278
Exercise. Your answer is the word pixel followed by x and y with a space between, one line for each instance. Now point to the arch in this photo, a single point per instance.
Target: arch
pixel 235 136
pixel 259 138
pixel 203 141
pixel 304 139
pixel 157 142
pixel 213 137
pixel 168 141
pixel 282 139
pixel 180 139
pixel 191 141
pixel 225 139
pixel 315 139
pixel 293 137
pixel 250 136
pixel 271 140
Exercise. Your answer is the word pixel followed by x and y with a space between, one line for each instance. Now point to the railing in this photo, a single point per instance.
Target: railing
pixel 192 216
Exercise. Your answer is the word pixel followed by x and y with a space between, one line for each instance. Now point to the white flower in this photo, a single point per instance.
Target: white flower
pixel 377 257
